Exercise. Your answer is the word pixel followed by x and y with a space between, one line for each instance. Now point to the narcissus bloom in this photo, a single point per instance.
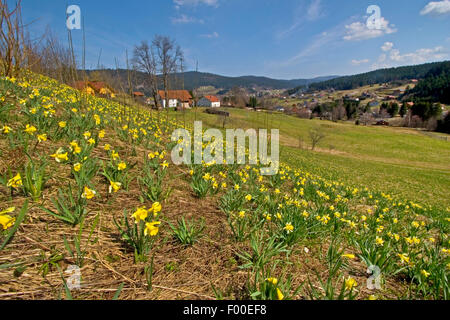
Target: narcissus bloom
pixel 60 156
pixel 42 137
pixel 349 256
pixel 122 166
pixel 114 186
pixel 156 208
pixel 30 129
pixel 62 124
pixel 273 281
pixel 289 228
pixel 15 182
pixel 403 258
pixel 77 167
pixel 88 193
pixel 280 295
pixel 107 147
pixel 6 221
pixel 425 273
pixel 6 129
pixel 151 228
pixel 165 165
pixel 350 283
pixel 248 197
pixel 242 214
pixel 379 241
pixel 140 215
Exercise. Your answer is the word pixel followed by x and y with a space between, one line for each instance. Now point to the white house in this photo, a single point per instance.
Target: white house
pixel 209 101
pixel 177 98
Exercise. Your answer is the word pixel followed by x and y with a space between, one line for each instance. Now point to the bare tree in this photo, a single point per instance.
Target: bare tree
pixel 316 136
pixel 168 55
pixel 11 39
pixel 144 60
pixel 366 118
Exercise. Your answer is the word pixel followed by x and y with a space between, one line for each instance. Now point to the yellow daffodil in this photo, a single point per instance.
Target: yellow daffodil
pixel 273 281
pixel 425 273
pixel 289 228
pixel 140 215
pixel 280 295
pixel 5 220
pixel 114 186
pixel 30 129
pixel 15 182
pixel 248 197
pixel 60 156
pixel 88 193
pixel 152 228
pixel 349 256
pixel 62 124
pixel 6 129
pixel 77 167
pixel 122 166
pixel 350 283
pixel 42 137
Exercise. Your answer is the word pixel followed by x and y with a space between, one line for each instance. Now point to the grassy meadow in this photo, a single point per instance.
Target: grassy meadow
pixel 403 162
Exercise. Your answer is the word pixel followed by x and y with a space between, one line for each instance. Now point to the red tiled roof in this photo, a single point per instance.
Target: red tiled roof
pixel 212 98
pixel 138 94
pixel 182 95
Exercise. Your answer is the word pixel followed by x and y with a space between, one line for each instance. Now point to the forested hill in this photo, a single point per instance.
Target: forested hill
pixel 192 80
pixel 378 76
pixel 435 87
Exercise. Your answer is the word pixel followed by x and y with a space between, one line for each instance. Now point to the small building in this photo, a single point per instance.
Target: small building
pixel 209 101
pixel 177 98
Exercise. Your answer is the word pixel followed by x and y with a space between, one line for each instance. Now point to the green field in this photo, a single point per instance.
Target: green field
pixel 398 161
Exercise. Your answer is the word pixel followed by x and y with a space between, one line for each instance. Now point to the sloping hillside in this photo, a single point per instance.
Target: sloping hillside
pixel 92 208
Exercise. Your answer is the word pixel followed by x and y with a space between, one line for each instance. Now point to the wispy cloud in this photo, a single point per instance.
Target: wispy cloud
pixel 210 36
pixel 313 12
pixel 359 62
pixel 184 19
pixel 436 8
pixel 358 31
pixel 180 3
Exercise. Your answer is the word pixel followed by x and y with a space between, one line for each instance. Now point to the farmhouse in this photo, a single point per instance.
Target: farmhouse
pixel 209 101
pixel 177 98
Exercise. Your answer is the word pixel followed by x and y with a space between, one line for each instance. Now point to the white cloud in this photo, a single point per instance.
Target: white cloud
pixel 210 36
pixel 359 62
pixel 358 31
pixel 436 8
pixel 184 19
pixel 387 46
pixel 213 3
pixel 393 57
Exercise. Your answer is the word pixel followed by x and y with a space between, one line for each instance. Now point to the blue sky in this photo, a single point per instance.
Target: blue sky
pixel 283 39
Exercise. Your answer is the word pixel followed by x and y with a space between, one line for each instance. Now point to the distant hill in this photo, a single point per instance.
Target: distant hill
pixel 193 80
pixel 375 77
pixel 435 87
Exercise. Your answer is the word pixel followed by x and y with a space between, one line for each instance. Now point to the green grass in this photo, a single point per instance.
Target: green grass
pixel 399 161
